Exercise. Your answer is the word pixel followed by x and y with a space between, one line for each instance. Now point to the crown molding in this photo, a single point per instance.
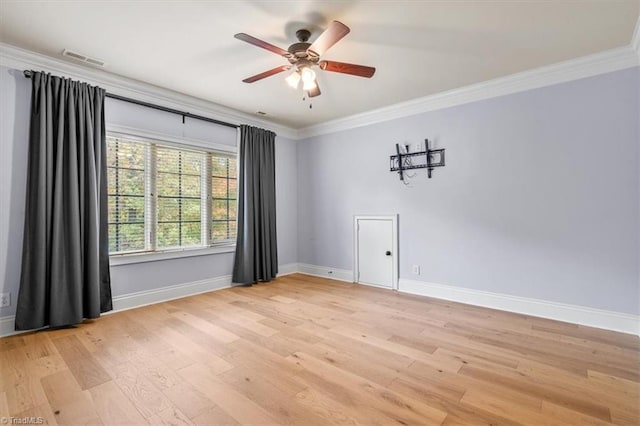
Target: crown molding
pixel 561 72
pixel 21 59
pixel 573 69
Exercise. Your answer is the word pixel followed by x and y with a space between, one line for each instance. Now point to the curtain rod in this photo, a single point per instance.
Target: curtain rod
pixel 184 114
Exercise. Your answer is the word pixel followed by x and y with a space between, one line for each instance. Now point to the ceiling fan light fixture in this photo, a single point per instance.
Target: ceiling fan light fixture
pixel 308 75
pixel 309 85
pixel 293 79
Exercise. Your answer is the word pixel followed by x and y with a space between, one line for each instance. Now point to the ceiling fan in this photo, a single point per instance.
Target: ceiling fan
pixel 303 56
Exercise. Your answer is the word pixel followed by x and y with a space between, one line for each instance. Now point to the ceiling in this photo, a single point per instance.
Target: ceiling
pixel 418 47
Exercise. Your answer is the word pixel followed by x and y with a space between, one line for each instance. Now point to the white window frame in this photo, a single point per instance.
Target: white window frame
pixel 150 137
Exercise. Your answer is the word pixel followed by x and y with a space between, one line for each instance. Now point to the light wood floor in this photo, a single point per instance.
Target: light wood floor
pixel 312 351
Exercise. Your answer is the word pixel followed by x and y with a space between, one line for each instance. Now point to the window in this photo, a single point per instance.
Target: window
pixel 163 197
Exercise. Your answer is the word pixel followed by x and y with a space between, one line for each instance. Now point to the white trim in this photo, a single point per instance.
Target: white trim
pixel 394 249
pixel 7 326
pixel 287 269
pixel 326 272
pixel 127 259
pixel 142 298
pixel 561 72
pixel 21 59
pixel 133 133
pixel 573 69
pixel 609 320
pixel 163 294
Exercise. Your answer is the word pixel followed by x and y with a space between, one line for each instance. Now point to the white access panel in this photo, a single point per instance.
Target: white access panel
pixel 375 250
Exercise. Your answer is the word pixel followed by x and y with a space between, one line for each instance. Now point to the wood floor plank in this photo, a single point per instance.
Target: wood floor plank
pixel 172 416
pixel 312 351
pixel 38 345
pixel 46 365
pixel 4 405
pixel 23 391
pixel 11 342
pixel 214 416
pixel 543 391
pixel 503 406
pixel 394 406
pixel 324 407
pixel 161 375
pixel 211 329
pixel 40 414
pixel 623 387
pixel 197 350
pixel 563 416
pixel 275 393
pixel 147 399
pixel 400 349
pixel 446 398
pixel 235 404
pixel 254 355
pixel 54 383
pixel 174 359
pixel 188 400
pixel 113 406
pixel 352 404
pixel 78 411
pixel 87 371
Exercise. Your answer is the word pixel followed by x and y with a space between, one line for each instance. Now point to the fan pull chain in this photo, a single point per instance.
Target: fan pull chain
pixel 304 98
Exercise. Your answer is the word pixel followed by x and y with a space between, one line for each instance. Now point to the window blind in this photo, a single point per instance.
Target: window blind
pixel 163 197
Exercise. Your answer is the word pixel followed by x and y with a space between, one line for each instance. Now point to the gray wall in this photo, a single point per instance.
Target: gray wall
pixel 14 128
pixel 539 198
pixel 15 98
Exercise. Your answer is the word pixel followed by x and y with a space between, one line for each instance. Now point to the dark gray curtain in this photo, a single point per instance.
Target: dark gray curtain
pixel 65 258
pixel 256 249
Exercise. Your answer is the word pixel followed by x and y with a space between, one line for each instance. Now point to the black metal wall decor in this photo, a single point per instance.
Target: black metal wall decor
pixel 427 159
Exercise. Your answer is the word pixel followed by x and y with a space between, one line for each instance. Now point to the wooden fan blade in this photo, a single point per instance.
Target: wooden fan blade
pixel 329 37
pixel 314 92
pixel 345 68
pixel 257 42
pixel 266 74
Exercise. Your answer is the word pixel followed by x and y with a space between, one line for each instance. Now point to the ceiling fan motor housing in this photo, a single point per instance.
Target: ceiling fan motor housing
pixel 299 51
pixel 303 35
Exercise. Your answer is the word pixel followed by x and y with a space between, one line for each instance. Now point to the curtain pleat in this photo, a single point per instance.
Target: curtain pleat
pixel 65 262
pixel 256 257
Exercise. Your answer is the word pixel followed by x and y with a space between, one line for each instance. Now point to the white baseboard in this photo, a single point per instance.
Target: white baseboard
pixel 163 294
pixel 609 320
pixel 325 272
pixel 6 326
pixel 286 269
pixel 625 323
pixel 142 298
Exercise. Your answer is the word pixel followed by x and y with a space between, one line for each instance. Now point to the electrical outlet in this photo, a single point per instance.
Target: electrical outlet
pixel 5 300
pixel 416 269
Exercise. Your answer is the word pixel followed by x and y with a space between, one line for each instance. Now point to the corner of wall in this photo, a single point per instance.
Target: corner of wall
pixel 635 40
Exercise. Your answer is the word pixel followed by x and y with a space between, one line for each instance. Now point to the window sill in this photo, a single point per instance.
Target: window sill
pixel 126 259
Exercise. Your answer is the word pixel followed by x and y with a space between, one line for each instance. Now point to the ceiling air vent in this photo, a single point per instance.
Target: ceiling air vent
pixel 82 58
